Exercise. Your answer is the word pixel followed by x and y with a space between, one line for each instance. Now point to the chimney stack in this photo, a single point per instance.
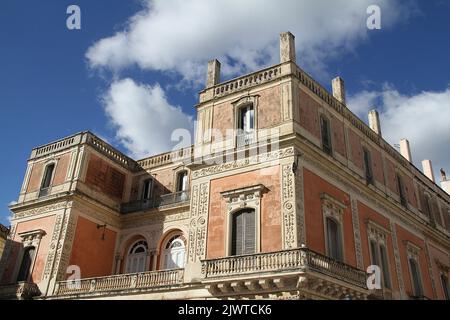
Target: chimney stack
pixel 374 121
pixel 287 47
pixel 445 183
pixel 213 77
pixel 338 89
pixel 405 150
pixel 428 169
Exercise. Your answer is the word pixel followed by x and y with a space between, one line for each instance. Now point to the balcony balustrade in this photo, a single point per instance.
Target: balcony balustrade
pixel 147 204
pixel 123 282
pixel 283 261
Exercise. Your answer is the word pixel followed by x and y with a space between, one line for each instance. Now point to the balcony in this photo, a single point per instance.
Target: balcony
pixel 146 281
pixel 245 139
pixel 284 271
pixel 147 204
pixel 19 291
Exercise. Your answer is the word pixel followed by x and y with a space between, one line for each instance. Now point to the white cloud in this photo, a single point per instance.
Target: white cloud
pixel 143 118
pixel 180 36
pixel 424 119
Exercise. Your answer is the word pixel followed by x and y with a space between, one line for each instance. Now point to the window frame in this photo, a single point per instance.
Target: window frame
pixel 368 166
pixel 234 215
pixel 334 209
pixel 327 149
pixel 238 104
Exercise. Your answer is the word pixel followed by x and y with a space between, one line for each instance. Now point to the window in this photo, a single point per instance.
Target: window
pixel 444 282
pixel 368 166
pixel 48 175
pixel 246 118
pixel 147 189
pixel 401 191
pixel 378 252
pixel 385 267
pixel 243 234
pixel 174 253
pixel 334 241
pixel 326 137
pixel 137 257
pixel 182 181
pixel 25 266
pixel 415 276
pixel 246 125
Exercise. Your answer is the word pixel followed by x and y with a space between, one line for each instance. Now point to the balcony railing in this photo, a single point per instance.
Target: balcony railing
pixel 282 261
pixel 20 290
pixel 146 280
pixel 245 139
pixel 147 204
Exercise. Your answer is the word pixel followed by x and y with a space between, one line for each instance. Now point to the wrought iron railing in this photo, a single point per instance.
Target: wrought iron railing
pixel 287 260
pixel 147 204
pixel 131 281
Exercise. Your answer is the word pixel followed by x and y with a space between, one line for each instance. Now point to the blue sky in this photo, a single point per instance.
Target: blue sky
pixel 55 82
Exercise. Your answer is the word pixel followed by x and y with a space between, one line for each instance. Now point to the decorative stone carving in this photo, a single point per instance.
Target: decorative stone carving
pixel 40 210
pixel 299 196
pixel 357 234
pixel 241 163
pixel 32 238
pixel 288 207
pixel 398 267
pixel 197 227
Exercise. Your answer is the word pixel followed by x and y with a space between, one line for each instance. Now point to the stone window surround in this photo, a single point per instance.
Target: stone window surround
pixel 444 270
pixel 334 209
pixel 29 239
pixel 46 164
pixel 238 199
pixel 176 173
pixel 379 234
pixel 413 252
pixel 243 102
pixel 327 117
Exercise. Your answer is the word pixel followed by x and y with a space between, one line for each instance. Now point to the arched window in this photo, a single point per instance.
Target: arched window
pixel 243 232
pixel 415 276
pixel 182 181
pixel 334 240
pixel 174 253
pixel 25 266
pixel 48 175
pixel 137 257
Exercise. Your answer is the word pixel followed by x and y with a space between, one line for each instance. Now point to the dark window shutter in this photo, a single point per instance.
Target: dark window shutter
pixel 416 277
pixel 374 252
pixel 249 232
pixel 243 236
pixel 334 239
pixel 385 267
pixel 25 267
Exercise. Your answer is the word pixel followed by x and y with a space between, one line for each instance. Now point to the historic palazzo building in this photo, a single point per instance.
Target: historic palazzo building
pixel 296 204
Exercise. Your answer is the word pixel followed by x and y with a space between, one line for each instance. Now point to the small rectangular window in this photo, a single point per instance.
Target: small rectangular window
pixel 326 137
pixel 147 189
pixel 401 191
pixel 368 166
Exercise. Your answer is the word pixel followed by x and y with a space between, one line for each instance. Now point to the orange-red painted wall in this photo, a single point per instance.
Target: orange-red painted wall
pixel 94 256
pixel 315 237
pixel 270 210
